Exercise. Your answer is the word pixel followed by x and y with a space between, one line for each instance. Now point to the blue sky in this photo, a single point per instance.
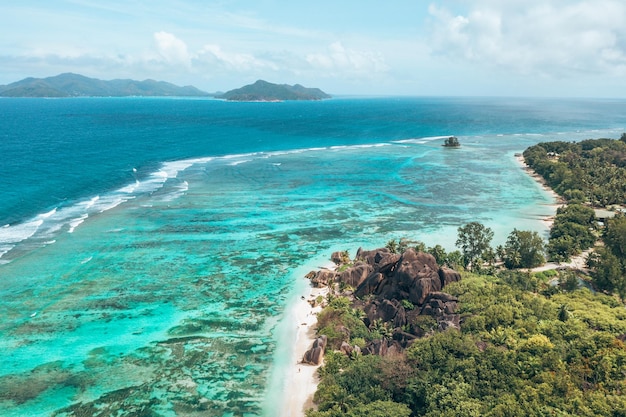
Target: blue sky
pixel 409 47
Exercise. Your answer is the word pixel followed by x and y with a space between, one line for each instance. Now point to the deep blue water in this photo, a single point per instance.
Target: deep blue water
pixel 57 151
pixel 150 247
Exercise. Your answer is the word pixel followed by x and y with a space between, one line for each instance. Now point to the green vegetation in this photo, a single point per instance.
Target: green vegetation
pixel 74 85
pixel 608 263
pixel 403 244
pixel 341 323
pixel 264 91
pixel 523 249
pixel 529 344
pixel 572 232
pixel 518 353
pixel 588 174
pixel 454 259
pixel 591 171
pixel 474 240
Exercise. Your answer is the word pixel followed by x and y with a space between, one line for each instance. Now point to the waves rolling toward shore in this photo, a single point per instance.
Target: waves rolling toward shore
pixel 150 246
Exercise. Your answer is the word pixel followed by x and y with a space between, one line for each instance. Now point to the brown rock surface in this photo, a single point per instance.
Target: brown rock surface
pixel 315 355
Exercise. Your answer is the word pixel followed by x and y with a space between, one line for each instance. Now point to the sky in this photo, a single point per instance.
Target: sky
pixel 554 48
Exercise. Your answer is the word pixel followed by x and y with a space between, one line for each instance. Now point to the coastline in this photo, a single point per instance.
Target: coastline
pixel 300 383
pixel 558 200
pixel 576 262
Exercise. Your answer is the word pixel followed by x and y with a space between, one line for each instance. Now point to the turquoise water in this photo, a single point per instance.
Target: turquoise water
pixel 147 264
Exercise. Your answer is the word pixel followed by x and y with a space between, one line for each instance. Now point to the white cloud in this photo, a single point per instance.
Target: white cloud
pixel 215 55
pixel 553 39
pixel 172 49
pixel 341 60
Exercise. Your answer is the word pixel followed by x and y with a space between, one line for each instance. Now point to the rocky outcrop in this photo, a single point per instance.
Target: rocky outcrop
pixel 381 259
pixel 321 278
pixel 448 276
pixel 338 257
pixel 410 276
pixel 382 347
pixel 315 355
pixel 443 308
pixel 349 350
pixel 395 292
pixel 356 275
pixel 385 311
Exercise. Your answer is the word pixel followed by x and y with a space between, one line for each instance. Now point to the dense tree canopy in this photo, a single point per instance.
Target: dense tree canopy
pixel 518 353
pixel 609 263
pixel 523 249
pixel 594 168
pixel 474 239
pixel 591 172
pixel 572 231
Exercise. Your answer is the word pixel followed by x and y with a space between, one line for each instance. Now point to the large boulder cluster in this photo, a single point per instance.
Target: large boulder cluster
pixel 397 291
pixel 411 276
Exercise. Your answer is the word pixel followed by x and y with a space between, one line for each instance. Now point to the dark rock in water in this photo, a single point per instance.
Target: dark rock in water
pixel 315 355
pixel 356 275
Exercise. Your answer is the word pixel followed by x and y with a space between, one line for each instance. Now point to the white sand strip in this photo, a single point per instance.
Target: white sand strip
pixel 557 198
pixel 301 383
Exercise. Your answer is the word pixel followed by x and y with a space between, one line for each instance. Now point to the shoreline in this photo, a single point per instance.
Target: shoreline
pixel 576 262
pixel 301 380
pixel 558 200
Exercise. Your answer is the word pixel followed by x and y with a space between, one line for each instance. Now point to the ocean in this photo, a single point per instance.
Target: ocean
pixel 150 247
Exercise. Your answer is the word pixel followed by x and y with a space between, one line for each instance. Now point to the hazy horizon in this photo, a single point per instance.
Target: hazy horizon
pixel 548 48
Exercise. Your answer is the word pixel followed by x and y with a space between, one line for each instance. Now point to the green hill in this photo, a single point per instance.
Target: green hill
pixel 265 91
pixel 74 85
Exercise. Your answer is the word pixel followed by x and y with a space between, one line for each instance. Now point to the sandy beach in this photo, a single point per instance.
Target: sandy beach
pixel 557 198
pixel 576 262
pixel 301 382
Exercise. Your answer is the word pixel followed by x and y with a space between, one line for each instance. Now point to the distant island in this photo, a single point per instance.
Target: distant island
pixel 265 91
pixel 75 85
